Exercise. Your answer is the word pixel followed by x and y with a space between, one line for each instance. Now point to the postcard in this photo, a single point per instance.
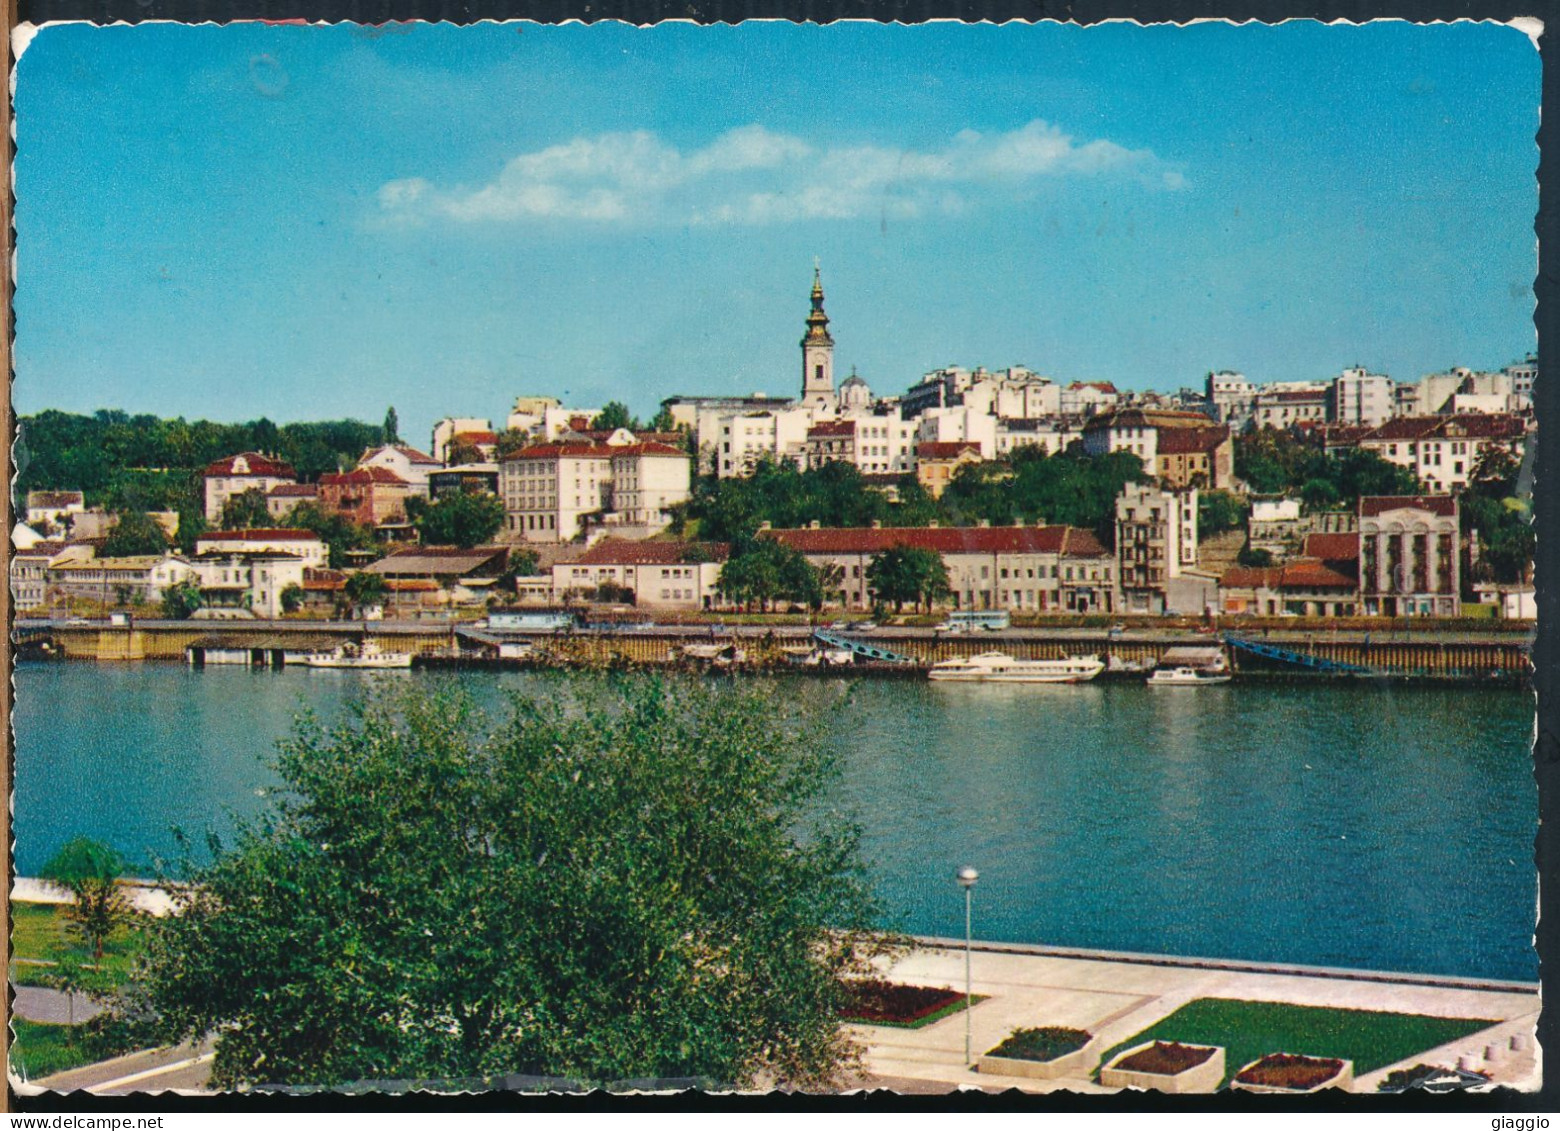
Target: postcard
pixel 774 556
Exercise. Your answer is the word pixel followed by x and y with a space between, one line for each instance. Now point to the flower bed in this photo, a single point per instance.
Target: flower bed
pixel 1289 1072
pixel 875 1002
pixel 1167 1066
pixel 1044 1054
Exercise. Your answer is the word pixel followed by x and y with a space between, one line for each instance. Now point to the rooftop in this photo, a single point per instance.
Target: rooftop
pixel 259 534
pixel 621 551
pixel 1372 505
pixel 1065 540
pixel 250 463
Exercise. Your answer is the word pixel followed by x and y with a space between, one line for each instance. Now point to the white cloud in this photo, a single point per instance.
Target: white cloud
pixel 752 175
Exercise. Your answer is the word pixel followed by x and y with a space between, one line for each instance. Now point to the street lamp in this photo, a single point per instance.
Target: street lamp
pixel 967 877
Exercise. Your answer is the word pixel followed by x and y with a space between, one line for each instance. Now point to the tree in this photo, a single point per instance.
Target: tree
pixel 462 451
pixel 663 421
pixel 338 534
pixel 763 570
pixel 392 428
pixel 292 597
pixel 614 414
pixel 1255 558
pixel 908 573
pixel 181 600
pixel 465 519
pixel 364 589
pixel 625 880
pixel 90 871
pixel 136 533
pixel 1217 512
pixel 246 511
pixel 512 440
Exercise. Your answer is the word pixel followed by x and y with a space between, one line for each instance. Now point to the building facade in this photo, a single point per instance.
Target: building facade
pixel 305 545
pixel 367 496
pixel 674 575
pixel 247 471
pixel 1409 556
pixel 1156 543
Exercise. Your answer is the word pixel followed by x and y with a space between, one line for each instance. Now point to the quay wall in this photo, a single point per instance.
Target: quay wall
pixel 1402 655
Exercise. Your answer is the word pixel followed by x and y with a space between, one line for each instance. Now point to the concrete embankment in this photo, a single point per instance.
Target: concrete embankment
pixel 1470 656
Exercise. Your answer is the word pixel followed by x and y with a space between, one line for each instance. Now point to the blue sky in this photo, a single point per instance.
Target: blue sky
pixel 299 222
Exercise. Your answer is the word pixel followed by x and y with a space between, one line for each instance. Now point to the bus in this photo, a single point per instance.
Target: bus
pixel 970 620
pixel 530 621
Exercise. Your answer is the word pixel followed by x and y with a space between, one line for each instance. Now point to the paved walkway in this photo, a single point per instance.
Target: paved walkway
pixel 38 1003
pixel 1115 999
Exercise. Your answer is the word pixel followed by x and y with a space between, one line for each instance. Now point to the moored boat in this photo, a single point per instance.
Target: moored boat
pixel 355 655
pixel 999 667
pixel 1187 677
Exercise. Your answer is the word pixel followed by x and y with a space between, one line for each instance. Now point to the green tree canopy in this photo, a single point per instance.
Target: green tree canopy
pixel 614 414
pixel 364 589
pixel 90 871
pixel 910 574
pixel 625 880
pixel 246 511
pixel 761 571
pixel 135 533
pixel 1219 511
pixel 181 600
pixel 465 518
pixel 339 534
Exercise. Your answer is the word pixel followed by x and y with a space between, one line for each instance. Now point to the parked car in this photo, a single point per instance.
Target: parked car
pixel 864 626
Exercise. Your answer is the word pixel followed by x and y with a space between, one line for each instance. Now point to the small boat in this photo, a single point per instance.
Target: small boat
pixel 354 655
pixel 829 658
pixel 999 667
pixel 1187 677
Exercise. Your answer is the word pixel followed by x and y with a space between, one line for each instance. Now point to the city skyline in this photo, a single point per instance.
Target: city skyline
pixel 318 222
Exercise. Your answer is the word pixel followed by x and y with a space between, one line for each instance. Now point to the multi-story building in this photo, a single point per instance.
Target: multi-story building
pixel 30 572
pixel 1286 406
pixel 280 501
pixel 1274 525
pixel 1050 434
pixel 250 579
pixel 647 481
pixel 247 471
pixel 1085 398
pixel 678 575
pixel 548 489
pixel 937 463
pixel 367 496
pixel 877 445
pixel 118 581
pixel 447 430
pixel 305 545
pixel 1183 449
pixel 1359 397
pixel 1232 397
pixel 463 478
pixel 1156 545
pixel 1030 569
pixel 1409 556
pixel 408 463
pixel 959 424
pixel 746 439
pixel 1442 451
pixel 53 509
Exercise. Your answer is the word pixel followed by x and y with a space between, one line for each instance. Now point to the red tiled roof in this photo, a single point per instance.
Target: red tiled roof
pixel 570 451
pixel 1102 386
pixel 415 455
pixel 832 428
pixel 945 449
pixel 258 465
pixel 474 438
pixel 1332 547
pixel 294 490
pixel 1372 505
pixel 1251 577
pixel 621 551
pixel 411 585
pixel 1314 575
pixel 1160 418
pixel 362 475
pixel 650 448
pixel 1299 396
pixel 946 540
pixel 1475 425
pixel 259 534
pixel 1185 441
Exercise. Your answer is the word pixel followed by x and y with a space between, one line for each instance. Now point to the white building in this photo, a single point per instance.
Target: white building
pixel 445 431
pixel 118 581
pixel 304 545
pixel 548 488
pixel 1050 434
pixel 678 575
pixel 877 445
pixel 1361 398
pixel 743 440
pixel 1284 405
pixel 247 471
pixel 1442 451
pixel 647 481
pixel 958 424
pixel 1085 398
pixel 410 464
pixel 251 579
pixel 1156 546
pixel 1232 396
pixel 53 509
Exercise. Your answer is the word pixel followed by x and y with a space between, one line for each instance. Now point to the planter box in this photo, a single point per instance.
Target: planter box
pixel 1204 1077
pixel 1343 1078
pixel 1079 1062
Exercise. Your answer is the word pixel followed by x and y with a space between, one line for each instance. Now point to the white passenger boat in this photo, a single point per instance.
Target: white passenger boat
pixel 1188 677
pixel 999 667
pixel 354 655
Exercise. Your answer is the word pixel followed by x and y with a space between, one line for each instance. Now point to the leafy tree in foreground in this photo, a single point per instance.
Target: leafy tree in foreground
pixel 908 573
pixel 246 510
pixel 625 880
pixel 135 533
pixel 364 589
pixel 90 871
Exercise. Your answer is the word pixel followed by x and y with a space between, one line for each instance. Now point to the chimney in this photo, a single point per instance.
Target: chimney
pixel 813 525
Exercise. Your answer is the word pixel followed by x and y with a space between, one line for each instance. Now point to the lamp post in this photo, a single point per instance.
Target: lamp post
pixel 967 877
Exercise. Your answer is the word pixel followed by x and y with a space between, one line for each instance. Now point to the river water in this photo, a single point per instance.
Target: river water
pixel 1381 828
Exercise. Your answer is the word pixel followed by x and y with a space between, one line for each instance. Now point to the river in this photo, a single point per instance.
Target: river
pixel 1379 828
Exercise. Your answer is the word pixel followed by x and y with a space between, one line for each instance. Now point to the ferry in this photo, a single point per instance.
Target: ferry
pixel 353 655
pixel 999 667
pixel 1187 677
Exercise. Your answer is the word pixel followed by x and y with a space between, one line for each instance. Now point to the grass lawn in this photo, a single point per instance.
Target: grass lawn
pixel 1250 1029
pixel 39 931
pixel 42 1050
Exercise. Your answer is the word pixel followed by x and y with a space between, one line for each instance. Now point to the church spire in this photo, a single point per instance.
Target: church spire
pixel 817 320
pixel 818 351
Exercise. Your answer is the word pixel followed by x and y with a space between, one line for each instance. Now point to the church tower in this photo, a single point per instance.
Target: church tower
pixel 817 353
